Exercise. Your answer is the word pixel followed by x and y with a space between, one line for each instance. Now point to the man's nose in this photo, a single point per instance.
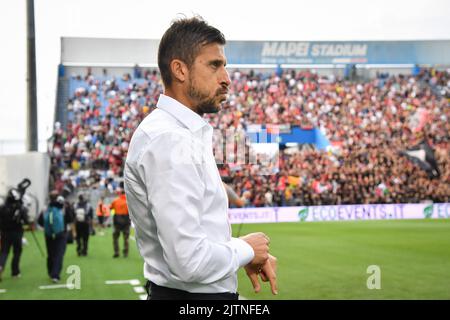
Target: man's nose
pixel 225 79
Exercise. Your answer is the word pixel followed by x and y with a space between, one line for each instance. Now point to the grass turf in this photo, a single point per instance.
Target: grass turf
pixel 96 268
pixel 317 260
pixel 329 260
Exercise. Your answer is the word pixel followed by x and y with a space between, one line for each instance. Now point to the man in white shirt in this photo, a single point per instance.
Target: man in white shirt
pixel 174 192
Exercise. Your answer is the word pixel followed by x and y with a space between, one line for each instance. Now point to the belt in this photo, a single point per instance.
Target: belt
pixel 156 292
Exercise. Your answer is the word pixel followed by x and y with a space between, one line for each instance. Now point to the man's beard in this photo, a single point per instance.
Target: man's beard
pixel 204 103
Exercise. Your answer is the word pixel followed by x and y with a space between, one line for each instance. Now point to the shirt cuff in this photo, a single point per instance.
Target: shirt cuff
pixel 244 251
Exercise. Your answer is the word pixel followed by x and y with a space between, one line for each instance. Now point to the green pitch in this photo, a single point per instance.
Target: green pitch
pixel 329 260
pixel 95 269
pixel 317 260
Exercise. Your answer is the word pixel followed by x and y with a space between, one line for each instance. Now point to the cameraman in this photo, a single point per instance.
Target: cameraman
pixel 13 215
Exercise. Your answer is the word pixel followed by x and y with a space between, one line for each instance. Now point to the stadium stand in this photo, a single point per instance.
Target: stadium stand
pixel 368 124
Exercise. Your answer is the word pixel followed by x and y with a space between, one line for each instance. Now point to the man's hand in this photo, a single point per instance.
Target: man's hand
pixel 267 272
pixel 260 244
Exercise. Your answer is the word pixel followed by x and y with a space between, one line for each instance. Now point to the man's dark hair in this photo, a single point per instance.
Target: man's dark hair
pixel 183 40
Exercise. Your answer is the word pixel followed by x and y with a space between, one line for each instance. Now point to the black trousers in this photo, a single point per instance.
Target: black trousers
pixel 56 247
pixel 82 229
pixel 156 292
pixel 124 228
pixel 11 239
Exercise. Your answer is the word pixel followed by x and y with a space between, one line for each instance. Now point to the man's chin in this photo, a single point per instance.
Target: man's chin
pixel 215 109
pixel 213 105
pixel 211 108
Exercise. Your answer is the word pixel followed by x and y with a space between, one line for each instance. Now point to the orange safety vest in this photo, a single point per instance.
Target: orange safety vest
pixel 119 205
pixel 102 210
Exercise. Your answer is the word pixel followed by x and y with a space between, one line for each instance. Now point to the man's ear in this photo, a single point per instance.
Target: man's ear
pixel 179 70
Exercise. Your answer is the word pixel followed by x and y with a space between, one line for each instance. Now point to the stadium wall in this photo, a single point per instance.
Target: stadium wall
pixel 12 146
pixel 34 166
pixel 108 52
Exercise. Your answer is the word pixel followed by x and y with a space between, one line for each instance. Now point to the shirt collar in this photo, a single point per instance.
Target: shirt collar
pixel 179 111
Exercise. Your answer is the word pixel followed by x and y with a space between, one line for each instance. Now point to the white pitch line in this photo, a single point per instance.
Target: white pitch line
pixel 2 290
pixel 58 286
pixel 117 282
pixel 132 238
pixel 242 298
pixel 139 289
pixel 143 297
pixel 133 282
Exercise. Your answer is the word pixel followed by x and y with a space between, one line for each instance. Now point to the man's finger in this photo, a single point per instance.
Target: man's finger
pixel 273 263
pixel 269 273
pixel 264 278
pixel 255 282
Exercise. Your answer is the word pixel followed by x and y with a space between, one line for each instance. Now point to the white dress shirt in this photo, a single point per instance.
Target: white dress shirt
pixel 178 204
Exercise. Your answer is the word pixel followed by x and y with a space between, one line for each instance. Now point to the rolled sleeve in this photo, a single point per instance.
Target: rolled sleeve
pixel 243 250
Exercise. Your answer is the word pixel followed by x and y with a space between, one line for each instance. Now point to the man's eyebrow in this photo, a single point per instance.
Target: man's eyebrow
pixel 217 62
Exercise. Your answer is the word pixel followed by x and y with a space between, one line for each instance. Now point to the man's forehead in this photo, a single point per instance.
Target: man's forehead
pixel 212 51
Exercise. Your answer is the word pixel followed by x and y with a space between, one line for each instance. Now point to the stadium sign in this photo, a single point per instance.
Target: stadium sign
pixel 341 213
pixel 338 52
pixel 307 49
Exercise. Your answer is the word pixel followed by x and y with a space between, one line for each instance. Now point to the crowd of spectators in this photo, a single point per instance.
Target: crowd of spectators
pixel 367 124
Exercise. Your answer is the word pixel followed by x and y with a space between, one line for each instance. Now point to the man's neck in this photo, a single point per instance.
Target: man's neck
pixel 181 98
